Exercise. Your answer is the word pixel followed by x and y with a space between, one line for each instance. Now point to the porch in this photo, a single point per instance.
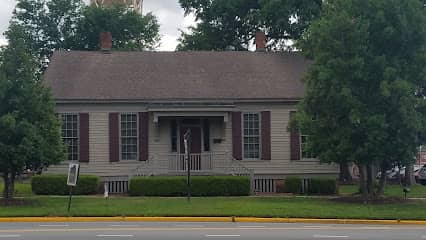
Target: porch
pixel 209 145
pixel 199 164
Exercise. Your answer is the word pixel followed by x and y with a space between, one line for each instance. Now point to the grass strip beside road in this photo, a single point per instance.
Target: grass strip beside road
pixel 221 206
pixel 416 191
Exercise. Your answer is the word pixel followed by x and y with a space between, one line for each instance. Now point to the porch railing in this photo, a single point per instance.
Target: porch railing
pixel 197 161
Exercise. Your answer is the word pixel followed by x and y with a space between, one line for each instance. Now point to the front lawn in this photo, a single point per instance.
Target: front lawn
pixel 219 206
pixel 416 191
pixel 22 188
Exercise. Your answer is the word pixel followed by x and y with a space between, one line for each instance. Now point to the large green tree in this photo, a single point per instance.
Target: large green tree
pixel 130 30
pixel 69 24
pixel 223 23
pixel 29 130
pixel 49 24
pixel 362 103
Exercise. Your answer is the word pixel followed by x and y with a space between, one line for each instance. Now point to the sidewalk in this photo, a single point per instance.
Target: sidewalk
pixel 212 219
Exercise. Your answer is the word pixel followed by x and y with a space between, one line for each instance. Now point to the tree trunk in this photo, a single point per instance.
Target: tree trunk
pixel 363 182
pixel 9 186
pixel 345 175
pixel 370 179
pixel 398 175
pixel 409 175
pixel 382 181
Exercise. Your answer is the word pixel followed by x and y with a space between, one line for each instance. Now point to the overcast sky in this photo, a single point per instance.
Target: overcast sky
pixel 169 14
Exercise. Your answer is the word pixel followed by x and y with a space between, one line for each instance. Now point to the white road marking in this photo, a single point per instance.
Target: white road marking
pixel 118 225
pixel 319 226
pixel 53 225
pixel 10 236
pixel 220 235
pixel 329 236
pixel 376 228
pixel 424 237
pixel 113 235
pixel 251 226
pixel 188 225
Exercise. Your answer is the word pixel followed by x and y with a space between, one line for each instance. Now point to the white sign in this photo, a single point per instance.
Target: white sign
pixel 73 174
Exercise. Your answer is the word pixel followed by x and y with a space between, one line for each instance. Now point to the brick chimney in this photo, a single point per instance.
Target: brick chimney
pixel 105 41
pixel 260 40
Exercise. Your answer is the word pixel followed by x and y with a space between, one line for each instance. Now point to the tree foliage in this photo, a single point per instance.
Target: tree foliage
pixel 69 24
pixel 223 24
pixel 29 130
pixel 129 29
pixel 48 24
pixel 360 103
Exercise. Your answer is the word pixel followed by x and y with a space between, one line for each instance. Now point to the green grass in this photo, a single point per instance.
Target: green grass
pixel 22 188
pixel 416 191
pixel 221 206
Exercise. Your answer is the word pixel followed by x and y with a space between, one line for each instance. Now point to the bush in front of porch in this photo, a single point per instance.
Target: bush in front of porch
pixel 168 186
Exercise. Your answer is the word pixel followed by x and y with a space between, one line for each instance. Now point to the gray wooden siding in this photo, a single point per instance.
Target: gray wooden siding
pixel 160 145
pixel 280 146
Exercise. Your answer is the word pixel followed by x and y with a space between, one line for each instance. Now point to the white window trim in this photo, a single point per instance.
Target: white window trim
pixel 301 148
pixel 78 134
pixel 260 136
pixel 137 138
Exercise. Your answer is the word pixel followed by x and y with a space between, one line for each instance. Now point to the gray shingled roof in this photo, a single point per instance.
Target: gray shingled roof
pixel 79 75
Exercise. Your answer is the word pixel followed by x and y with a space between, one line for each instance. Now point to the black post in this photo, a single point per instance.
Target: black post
pixel 188 181
pixel 69 199
pixel 187 138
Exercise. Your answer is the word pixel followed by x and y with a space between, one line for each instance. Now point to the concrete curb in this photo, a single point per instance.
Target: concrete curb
pixel 212 219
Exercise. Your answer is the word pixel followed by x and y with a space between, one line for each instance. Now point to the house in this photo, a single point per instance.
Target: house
pixel 125 114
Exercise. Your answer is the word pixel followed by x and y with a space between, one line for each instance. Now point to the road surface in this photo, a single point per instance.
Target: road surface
pixel 208 231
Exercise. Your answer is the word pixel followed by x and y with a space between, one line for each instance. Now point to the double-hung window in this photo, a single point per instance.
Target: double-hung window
pixel 70 135
pixel 251 135
pixel 129 136
pixel 304 141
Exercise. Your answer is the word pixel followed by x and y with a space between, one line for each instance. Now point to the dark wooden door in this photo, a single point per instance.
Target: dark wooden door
pixel 195 144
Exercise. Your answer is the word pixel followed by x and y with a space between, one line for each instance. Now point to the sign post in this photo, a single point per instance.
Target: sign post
pixel 186 140
pixel 73 172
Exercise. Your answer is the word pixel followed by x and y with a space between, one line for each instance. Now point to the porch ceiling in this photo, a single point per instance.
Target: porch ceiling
pixel 224 114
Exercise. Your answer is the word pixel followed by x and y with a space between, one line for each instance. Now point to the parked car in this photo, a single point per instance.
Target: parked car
pixel 396 173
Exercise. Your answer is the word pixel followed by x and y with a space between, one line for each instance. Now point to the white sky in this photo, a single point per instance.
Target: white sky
pixel 168 12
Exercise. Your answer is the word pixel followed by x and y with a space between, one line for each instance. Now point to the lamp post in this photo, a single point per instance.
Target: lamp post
pixel 187 140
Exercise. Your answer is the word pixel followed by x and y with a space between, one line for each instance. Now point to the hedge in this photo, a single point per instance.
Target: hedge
pixel 322 186
pixel 50 184
pixel 200 186
pixel 293 185
pixel 314 186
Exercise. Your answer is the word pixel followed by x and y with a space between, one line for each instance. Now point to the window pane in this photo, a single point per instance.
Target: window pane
pixel 306 153
pixel 129 136
pixel 251 133
pixel 69 133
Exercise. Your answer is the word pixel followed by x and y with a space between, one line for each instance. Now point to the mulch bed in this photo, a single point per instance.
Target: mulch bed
pixel 376 200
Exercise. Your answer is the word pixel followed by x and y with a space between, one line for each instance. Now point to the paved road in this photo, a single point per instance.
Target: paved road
pixel 208 231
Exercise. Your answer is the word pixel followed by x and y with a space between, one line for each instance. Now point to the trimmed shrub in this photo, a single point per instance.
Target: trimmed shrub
pixel 200 186
pixel 293 185
pixel 50 184
pixel 157 186
pixel 220 186
pixel 322 186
